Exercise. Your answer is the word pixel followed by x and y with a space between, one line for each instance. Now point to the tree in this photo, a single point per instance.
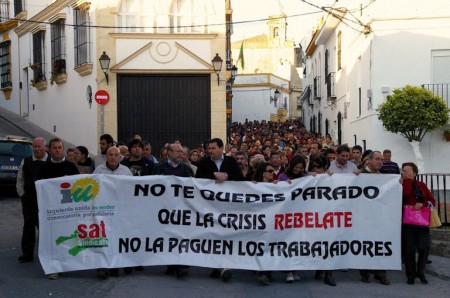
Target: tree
pixel 412 112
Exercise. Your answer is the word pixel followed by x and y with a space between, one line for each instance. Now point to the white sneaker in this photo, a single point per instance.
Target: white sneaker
pixel 290 277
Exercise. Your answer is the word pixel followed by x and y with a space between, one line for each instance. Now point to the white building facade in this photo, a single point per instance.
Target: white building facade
pixel 161 81
pixel 260 97
pixel 352 66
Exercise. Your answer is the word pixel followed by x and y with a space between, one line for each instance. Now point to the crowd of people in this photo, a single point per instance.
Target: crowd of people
pixel 258 151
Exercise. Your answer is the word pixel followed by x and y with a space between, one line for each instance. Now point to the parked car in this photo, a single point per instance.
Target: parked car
pixel 13 149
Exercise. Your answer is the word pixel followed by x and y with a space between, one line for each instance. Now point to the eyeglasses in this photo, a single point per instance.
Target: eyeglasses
pixel 270 171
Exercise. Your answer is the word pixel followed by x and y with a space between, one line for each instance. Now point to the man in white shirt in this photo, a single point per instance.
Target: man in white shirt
pixel 112 165
pixel 341 164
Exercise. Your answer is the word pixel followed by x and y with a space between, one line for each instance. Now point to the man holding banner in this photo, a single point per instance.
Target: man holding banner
pixel 112 166
pixel 57 166
pixel 173 166
pixel 221 168
pixel 373 167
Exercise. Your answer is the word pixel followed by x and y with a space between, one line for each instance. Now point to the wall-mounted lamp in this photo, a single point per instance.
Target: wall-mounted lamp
pixel 217 66
pixel 234 71
pixel 104 64
pixel 276 96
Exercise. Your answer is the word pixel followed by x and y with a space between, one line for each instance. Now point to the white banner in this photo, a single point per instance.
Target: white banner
pixel 323 222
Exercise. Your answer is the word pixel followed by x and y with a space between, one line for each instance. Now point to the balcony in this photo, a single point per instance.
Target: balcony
pixel 441 90
pixel 316 88
pixel 331 92
pixel 306 95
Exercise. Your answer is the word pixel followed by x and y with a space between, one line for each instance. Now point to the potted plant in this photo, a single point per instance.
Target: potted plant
pixel 39 80
pixel 446 130
pixel 59 75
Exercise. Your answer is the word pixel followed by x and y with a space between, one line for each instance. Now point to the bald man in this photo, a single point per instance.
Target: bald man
pixel 112 165
pixel 175 167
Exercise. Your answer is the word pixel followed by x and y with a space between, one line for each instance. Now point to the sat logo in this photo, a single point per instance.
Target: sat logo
pixel 83 190
pixel 85 236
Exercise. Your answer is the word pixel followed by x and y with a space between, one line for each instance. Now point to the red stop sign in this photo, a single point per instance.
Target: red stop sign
pixel 102 97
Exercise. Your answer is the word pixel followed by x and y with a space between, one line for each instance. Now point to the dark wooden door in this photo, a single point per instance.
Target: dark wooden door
pixel 164 108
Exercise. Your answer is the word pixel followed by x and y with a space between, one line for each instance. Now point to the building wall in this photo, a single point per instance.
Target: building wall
pixel 61 109
pixel 397 52
pixel 252 97
pixel 64 109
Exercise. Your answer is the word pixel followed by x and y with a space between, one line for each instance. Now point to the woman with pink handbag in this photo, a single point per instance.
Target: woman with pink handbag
pixel 416 218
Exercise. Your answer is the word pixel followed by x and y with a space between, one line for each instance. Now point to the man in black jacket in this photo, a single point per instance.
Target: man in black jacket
pixel 217 165
pixel 173 166
pixel 221 168
pixel 57 166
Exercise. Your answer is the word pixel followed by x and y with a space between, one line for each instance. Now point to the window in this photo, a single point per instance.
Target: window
pixel 319 124
pixel 155 16
pixel 82 36
pixel 139 16
pixel 440 66
pixel 5 66
pixel 327 54
pixel 58 47
pixel 38 56
pixel 339 50
pixel 190 16
pixel 275 32
pixel 4 11
pixel 18 6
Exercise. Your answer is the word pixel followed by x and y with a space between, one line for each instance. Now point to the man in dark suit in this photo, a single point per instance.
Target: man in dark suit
pixel 373 167
pixel 217 166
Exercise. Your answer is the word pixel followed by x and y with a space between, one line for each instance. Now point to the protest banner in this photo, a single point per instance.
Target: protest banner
pixel 322 222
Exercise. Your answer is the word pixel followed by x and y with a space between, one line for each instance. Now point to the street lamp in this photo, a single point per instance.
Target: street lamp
pixel 217 66
pixel 276 96
pixel 234 71
pixel 104 64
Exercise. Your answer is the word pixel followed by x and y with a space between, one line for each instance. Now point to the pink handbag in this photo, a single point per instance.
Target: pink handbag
pixel 418 218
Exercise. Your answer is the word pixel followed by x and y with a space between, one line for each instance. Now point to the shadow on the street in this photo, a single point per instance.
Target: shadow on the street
pixel 8 191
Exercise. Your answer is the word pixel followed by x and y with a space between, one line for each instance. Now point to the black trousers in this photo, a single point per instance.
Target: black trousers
pixel 30 223
pixel 415 238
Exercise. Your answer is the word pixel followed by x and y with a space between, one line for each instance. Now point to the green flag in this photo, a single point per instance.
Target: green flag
pixel 241 55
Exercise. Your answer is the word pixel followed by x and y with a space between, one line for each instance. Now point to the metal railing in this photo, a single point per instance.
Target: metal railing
pixel 316 88
pixel 330 86
pixel 439 185
pixel 441 90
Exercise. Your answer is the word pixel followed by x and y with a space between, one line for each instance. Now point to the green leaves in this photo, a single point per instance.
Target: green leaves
pixel 413 111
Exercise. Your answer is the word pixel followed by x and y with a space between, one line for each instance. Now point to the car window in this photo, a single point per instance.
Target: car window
pixel 8 148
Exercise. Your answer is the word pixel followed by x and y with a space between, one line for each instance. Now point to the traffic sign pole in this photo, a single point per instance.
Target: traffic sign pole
pixel 102 98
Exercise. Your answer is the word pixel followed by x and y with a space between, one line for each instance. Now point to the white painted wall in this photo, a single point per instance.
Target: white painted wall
pixel 396 53
pixel 64 107
pixel 251 97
